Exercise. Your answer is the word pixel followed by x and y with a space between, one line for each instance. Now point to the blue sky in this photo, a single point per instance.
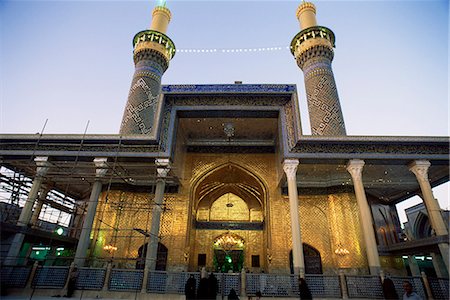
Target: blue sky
pixel 71 61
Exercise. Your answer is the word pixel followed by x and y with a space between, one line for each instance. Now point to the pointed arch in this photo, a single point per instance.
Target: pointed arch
pixel 313 260
pixel 229 178
pixel 422 226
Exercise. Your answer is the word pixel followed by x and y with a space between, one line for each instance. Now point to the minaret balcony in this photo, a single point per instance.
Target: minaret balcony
pixel 146 37
pixel 309 33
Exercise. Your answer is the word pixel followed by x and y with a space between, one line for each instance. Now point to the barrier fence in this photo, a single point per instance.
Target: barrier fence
pixel 364 287
pixel 439 287
pixel 125 280
pixel 15 276
pixel 50 277
pixel 90 278
pixel 270 285
pixel 415 281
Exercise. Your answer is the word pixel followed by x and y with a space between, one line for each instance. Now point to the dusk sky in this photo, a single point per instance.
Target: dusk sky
pixel 71 61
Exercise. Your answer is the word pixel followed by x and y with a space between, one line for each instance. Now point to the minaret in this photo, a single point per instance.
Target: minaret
pixel 313 50
pixel 153 50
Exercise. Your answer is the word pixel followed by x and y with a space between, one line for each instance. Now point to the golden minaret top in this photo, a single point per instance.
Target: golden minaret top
pixel 306 15
pixel 160 19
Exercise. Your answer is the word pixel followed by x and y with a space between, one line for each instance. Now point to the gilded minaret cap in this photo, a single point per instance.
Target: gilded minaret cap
pixel 155 38
pixel 160 19
pixel 306 15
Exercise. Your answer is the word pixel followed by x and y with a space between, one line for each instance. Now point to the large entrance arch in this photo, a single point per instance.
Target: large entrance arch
pixel 227 200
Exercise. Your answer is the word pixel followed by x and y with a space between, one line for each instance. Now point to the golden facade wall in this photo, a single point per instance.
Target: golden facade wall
pixel 120 213
pixel 326 221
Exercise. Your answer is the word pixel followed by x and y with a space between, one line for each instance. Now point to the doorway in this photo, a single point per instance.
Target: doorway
pixel 313 261
pixel 230 261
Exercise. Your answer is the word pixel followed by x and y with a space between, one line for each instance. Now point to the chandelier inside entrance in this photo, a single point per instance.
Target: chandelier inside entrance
pixel 228 242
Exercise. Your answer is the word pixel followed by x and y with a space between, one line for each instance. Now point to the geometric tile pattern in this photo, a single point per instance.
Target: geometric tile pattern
pixel 139 116
pixel 323 101
pixel 141 106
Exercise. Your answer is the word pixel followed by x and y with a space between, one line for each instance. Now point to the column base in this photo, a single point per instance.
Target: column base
pixel 14 249
pixel 374 270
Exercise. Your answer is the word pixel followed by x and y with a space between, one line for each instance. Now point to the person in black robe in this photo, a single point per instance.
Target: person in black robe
pixel 305 293
pixel 232 295
pixel 189 288
pixel 212 286
pixel 389 291
pixel 202 292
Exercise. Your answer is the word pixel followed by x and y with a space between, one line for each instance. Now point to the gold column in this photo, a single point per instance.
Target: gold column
pixel 420 169
pixel 355 167
pixel 290 168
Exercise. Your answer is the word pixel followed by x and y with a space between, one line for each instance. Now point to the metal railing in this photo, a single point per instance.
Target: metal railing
pixel 270 285
pixel 50 277
pixel 364 287
pixel 322 286
pixel 90 278
pixel 439 287
pixel 14 276
pixel 415 281
pixel 125 280
pixel 169 282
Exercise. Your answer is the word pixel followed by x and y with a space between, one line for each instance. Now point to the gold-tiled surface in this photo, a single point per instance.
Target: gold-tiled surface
pixel 326 220
pixel 229 207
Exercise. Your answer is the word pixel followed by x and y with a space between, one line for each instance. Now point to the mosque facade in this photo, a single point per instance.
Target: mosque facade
pixel 222 177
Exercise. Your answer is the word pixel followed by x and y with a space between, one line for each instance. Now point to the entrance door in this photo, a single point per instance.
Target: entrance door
pixel 313 261
pixel 231 260
pixel 161 257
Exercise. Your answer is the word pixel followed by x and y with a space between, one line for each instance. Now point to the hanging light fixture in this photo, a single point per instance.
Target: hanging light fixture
pixel 109 248
pixel 228 242
pixel 341 251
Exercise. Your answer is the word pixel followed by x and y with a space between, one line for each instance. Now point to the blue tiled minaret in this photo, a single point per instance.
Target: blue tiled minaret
pixel 313 50
pixel 153 50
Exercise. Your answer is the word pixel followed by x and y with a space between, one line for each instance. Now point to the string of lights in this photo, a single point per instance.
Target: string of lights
pixel 232 50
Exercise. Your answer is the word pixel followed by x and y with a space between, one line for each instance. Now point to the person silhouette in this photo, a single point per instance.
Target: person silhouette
pixel 189 287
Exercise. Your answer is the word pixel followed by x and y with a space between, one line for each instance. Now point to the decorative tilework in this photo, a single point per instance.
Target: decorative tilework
pixel 323 101
pixel 229 88
pixel 141 107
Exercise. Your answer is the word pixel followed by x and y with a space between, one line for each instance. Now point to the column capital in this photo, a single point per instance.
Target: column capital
pixel 290 168
pixel 420 169
pixel 45 189
pixel 355 167
pixel 42 165
pixel 101 166
pixel 162 167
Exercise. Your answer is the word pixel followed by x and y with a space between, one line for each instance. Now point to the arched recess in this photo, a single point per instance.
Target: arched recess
pixel 422 227
pixel 227 187
pixel 161 257
pixel 229 178
pixel 313 261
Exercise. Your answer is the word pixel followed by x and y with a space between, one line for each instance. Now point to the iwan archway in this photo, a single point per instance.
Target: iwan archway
pixel 227 231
